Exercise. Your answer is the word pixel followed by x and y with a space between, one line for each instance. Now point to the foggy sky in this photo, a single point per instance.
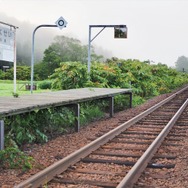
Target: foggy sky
pixel 157 29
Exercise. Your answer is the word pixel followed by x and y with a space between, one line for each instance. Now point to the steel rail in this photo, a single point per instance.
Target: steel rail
pixel 57 168
pixel 135 172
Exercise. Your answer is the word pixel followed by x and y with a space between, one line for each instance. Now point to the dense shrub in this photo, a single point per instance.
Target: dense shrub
pixel 46 84
pixel 14 158
pixel 22 73
pixel 2 75
pixel 41 125
pixel 145 80
pixel 70 75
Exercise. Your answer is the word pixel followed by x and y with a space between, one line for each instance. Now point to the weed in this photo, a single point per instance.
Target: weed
pixel 14 158
pixel 16 95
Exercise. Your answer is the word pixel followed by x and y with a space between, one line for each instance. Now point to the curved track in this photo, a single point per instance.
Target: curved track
pixel 118 158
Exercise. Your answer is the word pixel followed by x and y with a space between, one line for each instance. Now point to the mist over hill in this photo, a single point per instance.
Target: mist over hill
pixel 43 38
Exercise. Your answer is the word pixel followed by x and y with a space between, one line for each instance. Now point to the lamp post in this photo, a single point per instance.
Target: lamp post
pixel 60 23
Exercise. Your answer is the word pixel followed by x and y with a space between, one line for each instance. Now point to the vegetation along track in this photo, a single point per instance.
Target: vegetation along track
pixel 117 158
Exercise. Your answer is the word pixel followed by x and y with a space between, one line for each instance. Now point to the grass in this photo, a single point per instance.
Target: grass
pixel 7 88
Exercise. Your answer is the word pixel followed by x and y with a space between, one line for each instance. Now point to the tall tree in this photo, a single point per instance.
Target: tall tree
pixel 63 49
pixel 66 49
pixel 182 64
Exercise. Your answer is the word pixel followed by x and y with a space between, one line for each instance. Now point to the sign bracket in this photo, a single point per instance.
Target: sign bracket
pixel 121 28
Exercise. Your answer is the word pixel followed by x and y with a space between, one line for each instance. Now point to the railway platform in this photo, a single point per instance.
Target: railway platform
pixel 10 106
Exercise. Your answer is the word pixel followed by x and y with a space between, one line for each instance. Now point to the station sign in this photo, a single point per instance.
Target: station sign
pixel 61 23
pixel 120 31
pixel 7 44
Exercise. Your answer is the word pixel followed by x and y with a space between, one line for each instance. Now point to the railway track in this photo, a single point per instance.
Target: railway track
pixel 119 157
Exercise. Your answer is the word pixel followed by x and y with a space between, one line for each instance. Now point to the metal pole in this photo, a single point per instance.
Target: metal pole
pixel 1 134
pixel 14 60
pixel 77 119
pixel 32 60
pixel 89 51
pixel 111 106
pixel 32 52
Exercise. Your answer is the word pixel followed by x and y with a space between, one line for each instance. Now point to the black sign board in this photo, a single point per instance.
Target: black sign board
pixel 120 32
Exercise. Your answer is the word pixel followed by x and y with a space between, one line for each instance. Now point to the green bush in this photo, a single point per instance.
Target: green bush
pixel 25 128
pixel 138 100
pixel 14 158
pixel 38 126
pixel 121 102
pixel 2 75
pixel 46 84
pixel 22 73
pixel 70 75
pixel 145 80
pixel 90 112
